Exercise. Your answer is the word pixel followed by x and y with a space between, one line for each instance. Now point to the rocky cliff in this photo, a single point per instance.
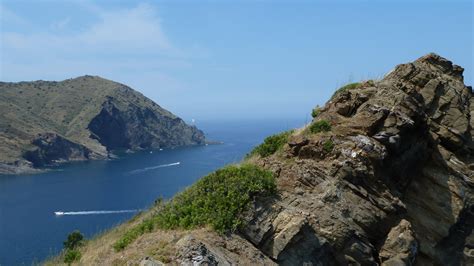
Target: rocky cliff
pixel 384 175
pixel 44 123
pixel 396 188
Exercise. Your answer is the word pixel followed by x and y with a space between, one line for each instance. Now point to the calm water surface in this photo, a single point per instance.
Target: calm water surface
pixel 31 232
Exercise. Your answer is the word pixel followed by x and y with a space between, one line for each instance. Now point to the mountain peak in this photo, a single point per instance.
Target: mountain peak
pixel 439 64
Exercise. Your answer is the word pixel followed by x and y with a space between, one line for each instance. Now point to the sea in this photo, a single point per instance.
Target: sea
pixel 37 212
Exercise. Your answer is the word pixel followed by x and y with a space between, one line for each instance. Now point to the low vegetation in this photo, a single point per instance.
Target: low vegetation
pixel 216 200
pixel 271 144
pixel 320 126
pixel 344 88
pixel 328 146
pixel 129 236
pixel 316 111
pixel 73 242
pixel 71 256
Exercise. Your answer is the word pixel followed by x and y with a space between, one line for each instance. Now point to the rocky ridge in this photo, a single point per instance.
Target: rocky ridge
pixel 44 123
pixel 395 187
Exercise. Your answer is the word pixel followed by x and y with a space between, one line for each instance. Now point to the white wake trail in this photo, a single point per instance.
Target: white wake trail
pixel 153 168
pixel 60 213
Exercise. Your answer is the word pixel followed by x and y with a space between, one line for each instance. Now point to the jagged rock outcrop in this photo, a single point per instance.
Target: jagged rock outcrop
pixel 51 148
pixel 391 183
pixel 400 246
pixel 396 189
pixel 44 123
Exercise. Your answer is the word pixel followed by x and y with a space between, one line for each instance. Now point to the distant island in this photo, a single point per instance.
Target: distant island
pixel 43 123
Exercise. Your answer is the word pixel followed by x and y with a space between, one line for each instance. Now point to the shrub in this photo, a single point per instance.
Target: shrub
pixel 328 146
pixel 271 144
pixel 315 112
pixel 346 87
pixel 217 200
pixel 71 256
pixel 320 126
pixel 74 239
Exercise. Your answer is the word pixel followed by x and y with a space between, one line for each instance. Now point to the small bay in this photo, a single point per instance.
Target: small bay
pixel 96 195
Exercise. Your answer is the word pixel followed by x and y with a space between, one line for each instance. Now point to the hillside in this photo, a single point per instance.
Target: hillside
pixel 46 122
pixel 384 174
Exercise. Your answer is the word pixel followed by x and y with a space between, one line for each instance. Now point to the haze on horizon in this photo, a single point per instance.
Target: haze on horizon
pixel 232 60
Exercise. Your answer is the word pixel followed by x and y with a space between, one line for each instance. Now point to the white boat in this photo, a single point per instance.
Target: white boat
pixel 59 213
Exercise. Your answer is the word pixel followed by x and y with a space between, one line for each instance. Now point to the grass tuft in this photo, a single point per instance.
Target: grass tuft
pixel 320 126
pixel 316 111
pixel 344 88
pixel 71 256
pixel 130 236
pixel 271 144
pixel 328 146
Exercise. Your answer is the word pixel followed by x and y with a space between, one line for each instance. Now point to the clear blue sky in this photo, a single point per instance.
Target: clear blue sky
pixel 230 59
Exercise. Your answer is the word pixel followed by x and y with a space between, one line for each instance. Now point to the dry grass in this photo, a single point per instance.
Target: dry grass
pixel 161 245
pixel 99 250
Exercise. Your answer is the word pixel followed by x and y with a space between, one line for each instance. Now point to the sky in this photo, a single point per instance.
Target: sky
pixel 208 60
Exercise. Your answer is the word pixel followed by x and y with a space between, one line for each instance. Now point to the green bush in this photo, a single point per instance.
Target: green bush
pixel 74 240
pixel 217 200
pixel 346 87
pixel 328 146
pixel 315 112
pixel 71 256
pixel 271 144
pixel 320 126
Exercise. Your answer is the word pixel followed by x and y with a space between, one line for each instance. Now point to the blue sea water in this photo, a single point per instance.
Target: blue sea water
pixel 29 229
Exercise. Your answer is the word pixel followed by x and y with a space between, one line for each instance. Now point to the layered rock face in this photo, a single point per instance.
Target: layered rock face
pixel 44 123
pixel 52 148
pixel 397 188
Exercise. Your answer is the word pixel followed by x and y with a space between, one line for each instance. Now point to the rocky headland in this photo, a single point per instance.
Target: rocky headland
pixel 43 123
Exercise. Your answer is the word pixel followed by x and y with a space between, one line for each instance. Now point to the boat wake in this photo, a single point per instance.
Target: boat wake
pixel 60 213
pixel 153 168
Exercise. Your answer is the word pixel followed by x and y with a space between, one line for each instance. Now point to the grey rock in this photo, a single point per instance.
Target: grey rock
pixel 150 262
pixel 400 245
pixel 194 252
